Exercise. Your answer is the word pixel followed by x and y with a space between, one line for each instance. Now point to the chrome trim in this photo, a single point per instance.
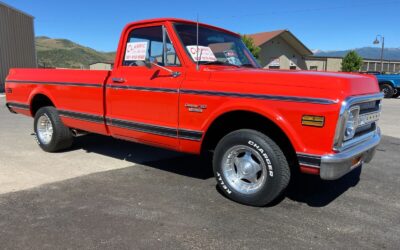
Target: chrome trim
pixel 141 88
pixel 177 133
pixel 334 166
pixel 346 104
pixel 309 160
pixel 260 96
pixel 75 84
pixel 17 105
pixel 352 142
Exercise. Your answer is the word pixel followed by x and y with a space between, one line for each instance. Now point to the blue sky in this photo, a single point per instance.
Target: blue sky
pixel 325 25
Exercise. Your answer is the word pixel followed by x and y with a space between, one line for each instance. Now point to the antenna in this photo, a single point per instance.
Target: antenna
pixel 197 43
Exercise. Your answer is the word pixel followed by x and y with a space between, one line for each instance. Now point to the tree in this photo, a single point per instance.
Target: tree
pixel 249 42
pixel 352 62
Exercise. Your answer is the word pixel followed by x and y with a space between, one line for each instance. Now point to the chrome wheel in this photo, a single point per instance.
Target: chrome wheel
pixel 244 169
pixel 44 129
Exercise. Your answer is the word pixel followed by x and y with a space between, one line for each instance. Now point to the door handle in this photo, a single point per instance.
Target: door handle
pixel 118 80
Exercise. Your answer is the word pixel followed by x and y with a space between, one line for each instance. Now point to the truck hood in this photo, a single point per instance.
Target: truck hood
pixel 344 84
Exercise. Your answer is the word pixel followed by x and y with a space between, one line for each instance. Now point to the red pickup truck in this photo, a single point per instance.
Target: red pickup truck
pixel 196 88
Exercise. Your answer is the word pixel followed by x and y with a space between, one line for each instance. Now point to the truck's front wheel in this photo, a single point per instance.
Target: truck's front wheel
pixel 51 134
pixel 250 168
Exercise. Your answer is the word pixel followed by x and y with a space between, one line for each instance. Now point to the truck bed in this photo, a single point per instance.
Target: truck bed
pixel 75 93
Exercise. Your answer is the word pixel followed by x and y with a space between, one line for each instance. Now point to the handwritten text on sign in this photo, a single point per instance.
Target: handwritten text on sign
pixel 205 53
pixel 136 51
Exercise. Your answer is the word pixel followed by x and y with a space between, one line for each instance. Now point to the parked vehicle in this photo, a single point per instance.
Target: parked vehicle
pixel 389 85
pixel 203 92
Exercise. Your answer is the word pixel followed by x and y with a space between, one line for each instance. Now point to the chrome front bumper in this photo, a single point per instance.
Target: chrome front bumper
pixel 334 166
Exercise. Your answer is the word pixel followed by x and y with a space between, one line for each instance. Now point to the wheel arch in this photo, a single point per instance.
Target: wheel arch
pixel 391 83
pixel 39 100
pixel 236 119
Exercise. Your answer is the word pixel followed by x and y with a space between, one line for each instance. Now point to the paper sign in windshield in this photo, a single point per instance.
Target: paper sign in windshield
pixel 136 51
pixel 205 53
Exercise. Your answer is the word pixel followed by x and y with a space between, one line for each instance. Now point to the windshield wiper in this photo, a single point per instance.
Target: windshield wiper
pixel 220 63
pixel 248 65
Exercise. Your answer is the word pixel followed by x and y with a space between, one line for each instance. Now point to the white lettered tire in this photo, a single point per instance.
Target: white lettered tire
pixel 250 168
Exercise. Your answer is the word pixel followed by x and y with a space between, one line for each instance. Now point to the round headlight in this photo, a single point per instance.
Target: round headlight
pixel 351 122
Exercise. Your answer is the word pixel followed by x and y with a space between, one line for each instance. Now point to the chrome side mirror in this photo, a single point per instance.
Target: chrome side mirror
pixel 149 62
pixel 152 61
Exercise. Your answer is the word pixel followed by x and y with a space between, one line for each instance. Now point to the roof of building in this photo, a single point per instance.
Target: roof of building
pixel 263 37
pixel 15 9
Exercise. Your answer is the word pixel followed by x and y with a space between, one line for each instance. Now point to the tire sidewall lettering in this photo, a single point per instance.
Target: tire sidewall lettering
pixel 264 155
pixel 222 183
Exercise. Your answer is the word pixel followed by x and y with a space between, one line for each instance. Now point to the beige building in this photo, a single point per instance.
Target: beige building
pixel 281 50
pixel 17 41
pixel 324 63
pixel 335 64
pixel 101 66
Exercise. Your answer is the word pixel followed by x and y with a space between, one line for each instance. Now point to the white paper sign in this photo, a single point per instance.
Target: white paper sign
pixel 205 53
pixel 136 51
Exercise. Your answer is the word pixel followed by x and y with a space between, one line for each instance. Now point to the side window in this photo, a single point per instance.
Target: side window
pixel 145 43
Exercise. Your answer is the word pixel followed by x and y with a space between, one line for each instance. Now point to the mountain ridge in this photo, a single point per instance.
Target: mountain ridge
pixel 64 53
pixel 365 52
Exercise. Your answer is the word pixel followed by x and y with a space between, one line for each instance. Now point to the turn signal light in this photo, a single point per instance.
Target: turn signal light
pixel 312 120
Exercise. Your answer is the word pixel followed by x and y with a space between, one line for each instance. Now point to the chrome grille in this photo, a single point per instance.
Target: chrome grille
pixel 370 106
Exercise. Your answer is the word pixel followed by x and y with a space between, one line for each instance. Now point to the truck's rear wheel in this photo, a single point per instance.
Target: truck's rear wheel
pixel 387 90
pixel 51 134
pixel 250 168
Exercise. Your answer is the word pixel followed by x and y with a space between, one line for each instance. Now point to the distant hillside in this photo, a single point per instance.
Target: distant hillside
pixel 366 52
pixel 63 53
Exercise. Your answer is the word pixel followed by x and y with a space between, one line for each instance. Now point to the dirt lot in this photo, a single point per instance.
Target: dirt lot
pixel 107 193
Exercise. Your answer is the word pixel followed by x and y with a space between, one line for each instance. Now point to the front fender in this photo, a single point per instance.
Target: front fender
pixel 269 112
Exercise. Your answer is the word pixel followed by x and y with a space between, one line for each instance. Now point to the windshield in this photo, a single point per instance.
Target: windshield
pixel 214 47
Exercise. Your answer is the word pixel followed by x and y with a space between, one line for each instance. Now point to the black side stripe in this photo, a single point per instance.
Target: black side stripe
pixel 190 134
pixel 76 84
pixel 18 105
pixel 158 130
pixel 81 116
pixel 114 86
pixel 147 128
pixel 309 160
pixel 260 96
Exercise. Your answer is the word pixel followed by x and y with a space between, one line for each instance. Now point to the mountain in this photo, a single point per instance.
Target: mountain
pixel 63 53
pixel 366 52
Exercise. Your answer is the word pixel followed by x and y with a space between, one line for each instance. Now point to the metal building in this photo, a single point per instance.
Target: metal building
pixel 17 41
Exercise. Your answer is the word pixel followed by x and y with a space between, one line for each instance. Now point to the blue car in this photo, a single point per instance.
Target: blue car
pixel 389 85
